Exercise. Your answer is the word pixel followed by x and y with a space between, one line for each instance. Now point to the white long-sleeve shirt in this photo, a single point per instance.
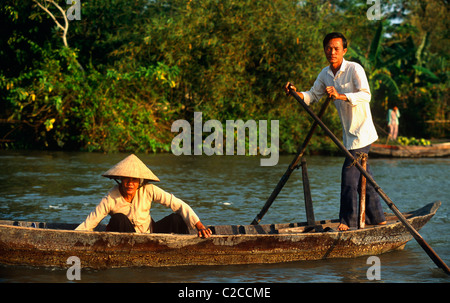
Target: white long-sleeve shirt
pixel 138 211
pixel 356 118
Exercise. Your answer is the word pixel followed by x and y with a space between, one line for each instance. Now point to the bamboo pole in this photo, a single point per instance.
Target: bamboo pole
pixel 362 195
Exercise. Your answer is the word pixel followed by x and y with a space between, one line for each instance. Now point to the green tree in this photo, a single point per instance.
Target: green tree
pixel 149 63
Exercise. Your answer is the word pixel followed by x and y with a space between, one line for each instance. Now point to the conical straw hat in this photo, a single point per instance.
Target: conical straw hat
pixel 131 167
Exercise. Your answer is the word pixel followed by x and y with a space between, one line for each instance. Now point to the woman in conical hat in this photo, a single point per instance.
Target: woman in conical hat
pixel 129 203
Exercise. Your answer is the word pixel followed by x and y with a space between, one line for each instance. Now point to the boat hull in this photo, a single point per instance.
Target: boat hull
pixel 260 244
pixel 398 151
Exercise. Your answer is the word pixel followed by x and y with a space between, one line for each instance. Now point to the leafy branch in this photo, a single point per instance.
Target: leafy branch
pixel 45 6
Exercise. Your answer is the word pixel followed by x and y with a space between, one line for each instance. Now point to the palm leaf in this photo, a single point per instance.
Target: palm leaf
pixel 388 82
pixel 425 71
pixel 357 55
pixel 375 46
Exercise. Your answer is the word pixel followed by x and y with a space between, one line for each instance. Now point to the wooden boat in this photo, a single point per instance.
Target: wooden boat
pixel 46 244
pixel 434 150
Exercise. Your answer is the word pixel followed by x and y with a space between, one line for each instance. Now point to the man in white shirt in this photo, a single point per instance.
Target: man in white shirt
pixel 347 82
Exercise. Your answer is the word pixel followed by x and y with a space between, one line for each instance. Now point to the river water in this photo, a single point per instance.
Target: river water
pixel 66 186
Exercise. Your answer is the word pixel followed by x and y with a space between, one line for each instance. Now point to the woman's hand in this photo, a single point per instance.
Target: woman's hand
pixel 202 231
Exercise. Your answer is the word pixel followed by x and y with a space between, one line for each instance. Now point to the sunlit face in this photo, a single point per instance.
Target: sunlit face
pixel 130 185
pixel 335 51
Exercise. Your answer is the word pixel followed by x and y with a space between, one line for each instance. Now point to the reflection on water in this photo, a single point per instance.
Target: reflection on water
pixel 65 187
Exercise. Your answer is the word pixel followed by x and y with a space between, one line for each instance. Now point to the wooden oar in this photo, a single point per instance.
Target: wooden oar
pixel 294 164
pixel 431 253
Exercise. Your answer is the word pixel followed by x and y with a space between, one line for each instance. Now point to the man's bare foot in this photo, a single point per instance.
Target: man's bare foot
pixel 382 223
pixel 343 227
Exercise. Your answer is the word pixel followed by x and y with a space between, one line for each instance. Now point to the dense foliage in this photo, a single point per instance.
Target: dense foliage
pixel 131 68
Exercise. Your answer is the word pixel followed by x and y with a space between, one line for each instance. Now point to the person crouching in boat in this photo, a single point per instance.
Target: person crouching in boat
pixel 129 204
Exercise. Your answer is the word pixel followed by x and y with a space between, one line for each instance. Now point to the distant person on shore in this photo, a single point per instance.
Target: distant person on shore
pixel 347 82
pixel 129 204
pixel 392 118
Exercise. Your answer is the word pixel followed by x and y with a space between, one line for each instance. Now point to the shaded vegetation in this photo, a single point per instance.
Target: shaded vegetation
pixel 131 68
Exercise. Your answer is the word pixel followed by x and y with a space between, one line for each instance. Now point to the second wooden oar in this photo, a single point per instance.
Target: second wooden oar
pixel 431 253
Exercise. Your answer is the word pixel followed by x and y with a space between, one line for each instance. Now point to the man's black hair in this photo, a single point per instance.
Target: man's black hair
pixel 333 36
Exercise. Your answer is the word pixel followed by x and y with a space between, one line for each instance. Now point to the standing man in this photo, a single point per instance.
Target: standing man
pixel 347 82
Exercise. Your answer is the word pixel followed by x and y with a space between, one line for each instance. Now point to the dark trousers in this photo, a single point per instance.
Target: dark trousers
pixel 120 223
pixel 350 188
pixel 173 223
